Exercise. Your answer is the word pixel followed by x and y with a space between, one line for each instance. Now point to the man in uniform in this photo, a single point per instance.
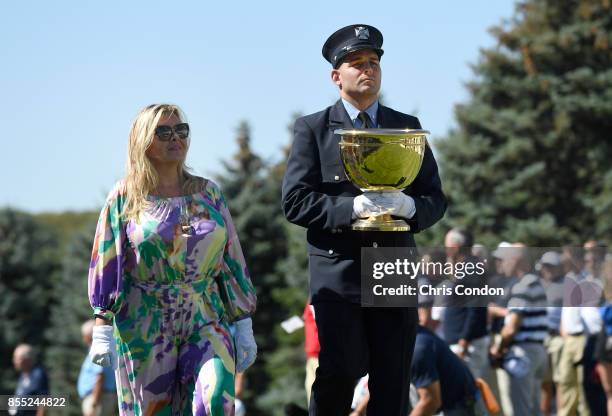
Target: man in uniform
pixel 317 195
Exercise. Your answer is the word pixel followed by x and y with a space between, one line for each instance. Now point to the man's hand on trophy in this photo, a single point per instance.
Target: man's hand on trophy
pixel 395 203
pixel 364 207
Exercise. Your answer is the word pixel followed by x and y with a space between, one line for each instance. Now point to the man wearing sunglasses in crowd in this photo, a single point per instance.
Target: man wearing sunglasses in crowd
pixel 317 195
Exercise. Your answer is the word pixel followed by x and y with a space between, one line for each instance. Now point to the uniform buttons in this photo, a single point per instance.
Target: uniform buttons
pixel 331 251
pixel 337 177
pixel 374 245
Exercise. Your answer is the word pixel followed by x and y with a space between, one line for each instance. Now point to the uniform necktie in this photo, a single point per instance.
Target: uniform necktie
pixel 365 120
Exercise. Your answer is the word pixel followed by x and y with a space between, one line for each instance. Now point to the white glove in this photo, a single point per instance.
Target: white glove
pixel 103 350
pixel 246 348
pixel 395 203
pixel 364 207
pixel 240 409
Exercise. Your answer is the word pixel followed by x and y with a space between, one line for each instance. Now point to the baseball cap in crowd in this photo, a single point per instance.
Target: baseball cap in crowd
pixel 502 250
pixel 551 258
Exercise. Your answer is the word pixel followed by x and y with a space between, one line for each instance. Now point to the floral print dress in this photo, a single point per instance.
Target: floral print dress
pixel 171 282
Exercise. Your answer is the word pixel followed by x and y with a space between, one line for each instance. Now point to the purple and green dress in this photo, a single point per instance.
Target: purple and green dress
pixel 172 282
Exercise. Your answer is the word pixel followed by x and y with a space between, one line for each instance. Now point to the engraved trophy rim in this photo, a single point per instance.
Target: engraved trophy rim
pixel 381 132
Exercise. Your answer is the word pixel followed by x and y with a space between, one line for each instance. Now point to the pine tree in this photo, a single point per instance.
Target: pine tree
pixel 70 309
pixel 286 364
pixel 28 263
pixel 253 200
pixel 530 158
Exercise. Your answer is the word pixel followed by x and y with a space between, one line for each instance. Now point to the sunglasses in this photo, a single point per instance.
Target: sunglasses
pixel 164 133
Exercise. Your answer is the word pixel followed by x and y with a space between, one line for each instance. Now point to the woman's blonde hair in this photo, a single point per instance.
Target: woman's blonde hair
pixel 141 178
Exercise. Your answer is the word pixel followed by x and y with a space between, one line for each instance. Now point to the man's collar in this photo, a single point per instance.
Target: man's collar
pixel 353 112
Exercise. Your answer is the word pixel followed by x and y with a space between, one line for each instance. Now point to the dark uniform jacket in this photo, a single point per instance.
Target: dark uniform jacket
pixel 317 195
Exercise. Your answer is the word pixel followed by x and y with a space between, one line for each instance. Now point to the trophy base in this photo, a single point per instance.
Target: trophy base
pixel 380 223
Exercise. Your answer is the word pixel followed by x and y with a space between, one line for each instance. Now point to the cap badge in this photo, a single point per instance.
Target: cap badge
pixel 362 32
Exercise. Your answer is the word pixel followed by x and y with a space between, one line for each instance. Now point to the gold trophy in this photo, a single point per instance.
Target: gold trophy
pixel 382 160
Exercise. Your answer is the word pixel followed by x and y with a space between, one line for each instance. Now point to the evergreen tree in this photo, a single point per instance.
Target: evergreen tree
pixel 530 158
pixel 244 169
pixel 70 309
pixel 28 263
pixel 285 365
pixel 253 200
pixel 67 223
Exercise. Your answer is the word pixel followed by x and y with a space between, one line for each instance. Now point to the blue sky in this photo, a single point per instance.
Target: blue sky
pixel 74 74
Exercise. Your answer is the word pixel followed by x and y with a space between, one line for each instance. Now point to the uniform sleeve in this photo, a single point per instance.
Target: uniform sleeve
pixel 302 203
pixel 105 280
pixel 237 291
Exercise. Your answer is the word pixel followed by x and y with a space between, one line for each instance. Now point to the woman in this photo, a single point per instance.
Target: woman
pixel 168 271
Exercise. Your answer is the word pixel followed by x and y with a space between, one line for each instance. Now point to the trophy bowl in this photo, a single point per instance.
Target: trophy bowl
pixel 382 160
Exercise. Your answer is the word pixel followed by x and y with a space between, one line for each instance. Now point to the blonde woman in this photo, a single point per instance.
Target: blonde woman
pixel 167 278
